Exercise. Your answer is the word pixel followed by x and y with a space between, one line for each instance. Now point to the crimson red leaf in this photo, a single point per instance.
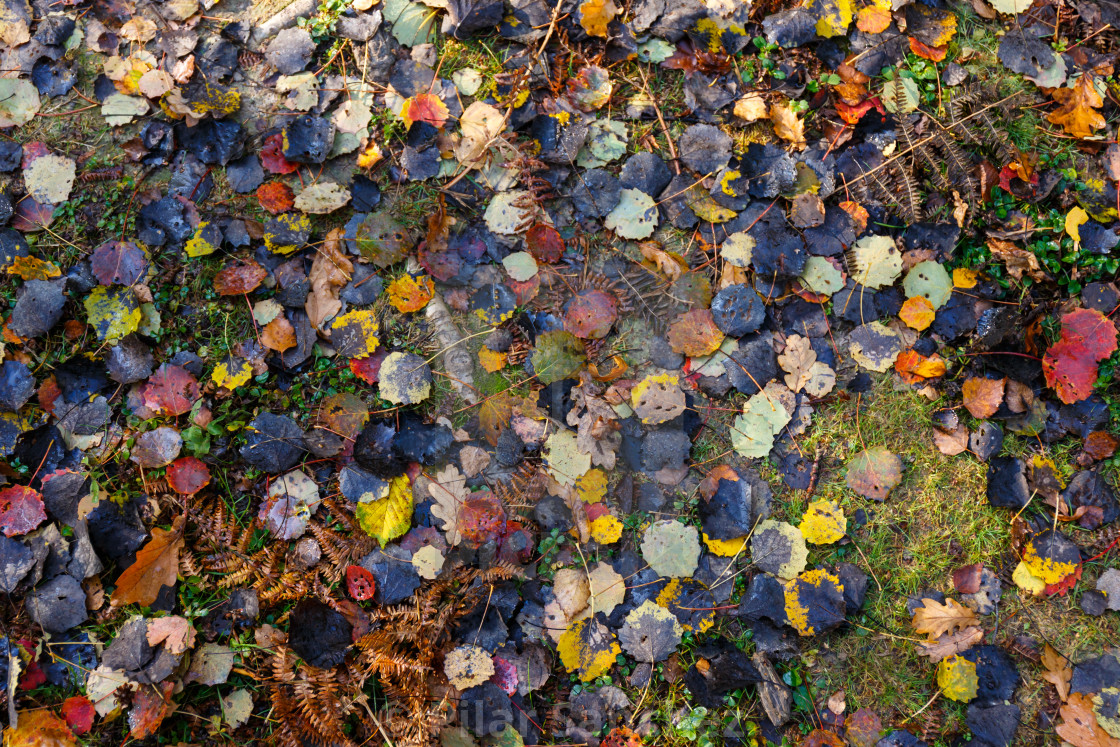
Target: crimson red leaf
pixel 360 583
pixel 272 156
pixel 1070 370
pixel 78 712
pixel 544 243
pixel 171 390
pixel 1093 329
pixel 368 369
pixel 188 475
pixel 21 510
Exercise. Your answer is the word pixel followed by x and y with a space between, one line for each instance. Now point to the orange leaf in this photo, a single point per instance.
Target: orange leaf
pixel 873 19
pixel 917 312
pixel 982 397
pixel 41 728
pixel 490 360
pixel 695 333
pixel 275 197
pixel 1077 113
pixel 934 54
pixel 424 107
pixel 239 278
pixel 279 334
pixel 156 566
pixel 858 214
pixel 596 15
pixel 409 293
pixel 914 368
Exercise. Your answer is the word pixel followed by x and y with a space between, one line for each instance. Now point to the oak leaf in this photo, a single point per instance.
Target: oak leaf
pixel 935 619
pixel 1078 113
pixel 156 566
pixel 1058 671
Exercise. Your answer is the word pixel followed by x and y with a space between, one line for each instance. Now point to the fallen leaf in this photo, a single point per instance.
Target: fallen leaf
pixel 1078 113
pixel 936 619
pixel 156 566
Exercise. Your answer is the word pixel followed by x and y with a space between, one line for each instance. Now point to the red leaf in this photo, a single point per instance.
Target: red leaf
pixel 544 243
pixel 188 475
pixel 239 278
pixel 21 510
pixel 481 518
pixel 171 390
pixel 272 156
pixel 424 107
pixel 1093 329
pixel 368 369
pixel 852 113
pixel 150 705
pixel 590 314
pixel 505 675
pixel 934 54
pixel 78 712
pixel 118 262
pixel 1062 587
pixel 276 197
pixel 33 675
pixel 360 583
pixel 1069 370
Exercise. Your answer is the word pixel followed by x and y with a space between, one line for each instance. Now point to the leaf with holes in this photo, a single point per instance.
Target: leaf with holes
pixel 658 398
pixel 360 583
pixel 956 676
pixel 590 314
pixel 410 292
pixel 651 633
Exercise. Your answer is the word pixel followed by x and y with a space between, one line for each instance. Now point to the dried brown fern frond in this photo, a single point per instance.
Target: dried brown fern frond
pixel 310 705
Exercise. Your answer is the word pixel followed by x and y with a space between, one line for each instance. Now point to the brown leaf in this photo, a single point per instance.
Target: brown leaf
pixel 951 643
pixel 695 333
pixel 240 277
pixel 156 566
pixel 935 619
pixel 951 443
pixel 966 579
pixel 330 271
pixel 1079 724
pixel 982 396
pixel 786 124
pixel 174 632
pixel 279 334
pixel 1018 261
pixel 1058 671
pixel 1078 113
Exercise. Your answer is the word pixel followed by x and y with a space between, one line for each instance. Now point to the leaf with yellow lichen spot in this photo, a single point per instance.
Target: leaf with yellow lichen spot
pixel 588 649
pixel 197 245
pixel 725 548
pixel 965 278
pixel 917 313
pixel 835 17
pixel 408 293
pixel 658 398
pixel 33 268
pixel 390 517
pixel 956 676
pixel 606 530
pixel 679 597
pixel 113 312
pixel 491 360
pixel 823 522
pixel 232 373
pixel 355 333
pixel 592 487
pixel 814 602
pixel 596 15
pixel 1051 556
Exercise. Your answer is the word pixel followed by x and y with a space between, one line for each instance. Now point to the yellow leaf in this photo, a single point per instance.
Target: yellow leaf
pixel 823 522
pixel 1074 219
pixel 606 530
pixel 197 245
pixel 370 155
pixel 1027 581
pixel 751 107
pixel 33 268
pixel 965 278
pixel 592 487
pixel 113 312
pixel 786 124
pixel 596 15
pixel 957 678
pixel 491 360
pixel 390 517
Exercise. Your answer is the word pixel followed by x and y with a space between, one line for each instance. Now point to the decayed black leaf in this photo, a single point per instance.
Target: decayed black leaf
pixel 997 674
pixel 596 192
pixel 753 365
pixel 1007 483
pixel 1089 489
pixel 17 385
pixel 704 148
pixel 308 139
pixel 319 634
pixel 38 308
pixel 274 443
pixel 738 310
